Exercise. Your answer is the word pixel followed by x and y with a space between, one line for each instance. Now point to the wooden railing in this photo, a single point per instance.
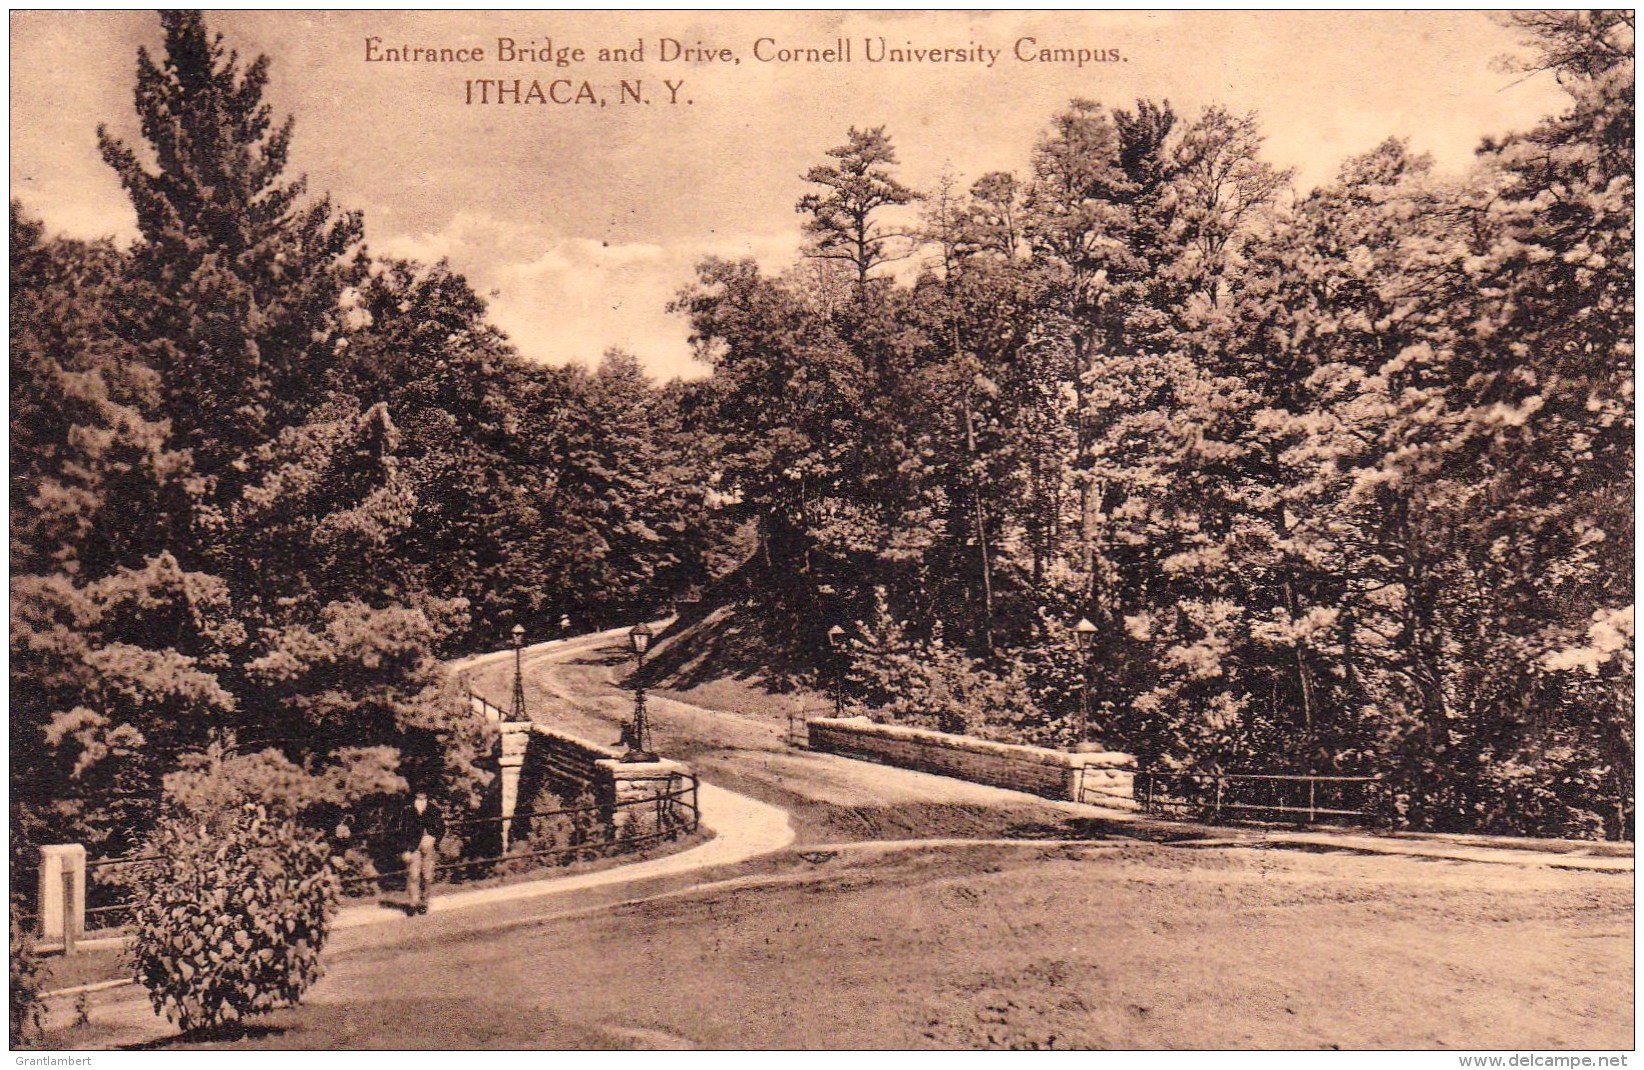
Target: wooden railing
pixel 1273 797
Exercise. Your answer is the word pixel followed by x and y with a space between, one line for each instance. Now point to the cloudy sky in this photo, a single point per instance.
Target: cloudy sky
pixel 579 221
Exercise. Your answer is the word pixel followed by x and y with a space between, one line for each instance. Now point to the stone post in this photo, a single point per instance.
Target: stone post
pixel 627 782
pixel 62 892
pixel 1103 778
pixel 516 736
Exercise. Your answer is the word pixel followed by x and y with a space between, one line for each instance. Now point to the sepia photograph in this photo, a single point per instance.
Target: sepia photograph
pixel 741 531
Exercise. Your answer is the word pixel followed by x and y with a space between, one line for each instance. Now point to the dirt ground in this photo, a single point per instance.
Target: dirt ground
pixel 1096 946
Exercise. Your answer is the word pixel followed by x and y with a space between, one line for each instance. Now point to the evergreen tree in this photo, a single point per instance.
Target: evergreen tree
pixel 241 278
pixel 244 311
pixel 847 223
pixel 115 647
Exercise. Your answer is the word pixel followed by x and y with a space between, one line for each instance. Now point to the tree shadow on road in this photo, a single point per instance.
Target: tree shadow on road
pixel 1099 828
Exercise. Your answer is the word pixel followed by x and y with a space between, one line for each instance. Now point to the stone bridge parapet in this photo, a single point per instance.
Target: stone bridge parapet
pixel 1103 778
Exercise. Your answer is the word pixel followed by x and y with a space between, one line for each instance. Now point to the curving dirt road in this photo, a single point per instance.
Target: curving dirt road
pixel 575 686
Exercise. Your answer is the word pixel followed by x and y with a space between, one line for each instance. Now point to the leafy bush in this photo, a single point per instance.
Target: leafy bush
pixel 219 779
pixel 924 683
pixel 533 836
pixel 233 919
pixel 580 835
pixel 590 827
pixel 357 871
pixel 26 1010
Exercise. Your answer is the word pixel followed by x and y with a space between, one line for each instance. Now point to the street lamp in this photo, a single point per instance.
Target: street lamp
pixel 639 739
pixel 519 678
pixel 1083 633
pixel 836 645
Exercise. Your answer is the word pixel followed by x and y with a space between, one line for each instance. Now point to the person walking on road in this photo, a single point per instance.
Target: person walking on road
pixel 423 830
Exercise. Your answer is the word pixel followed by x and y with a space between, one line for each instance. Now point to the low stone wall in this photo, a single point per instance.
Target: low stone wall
pixel 1102 778
pixel 571 765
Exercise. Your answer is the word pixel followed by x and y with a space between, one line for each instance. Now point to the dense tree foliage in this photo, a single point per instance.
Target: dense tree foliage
pixel 1343 481
pixel 263 481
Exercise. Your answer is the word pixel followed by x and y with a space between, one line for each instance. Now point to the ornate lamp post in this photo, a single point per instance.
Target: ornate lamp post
pixel 516 736
pixel 518 712
pixel 836 649
pixel 1083 633
pixel 639 739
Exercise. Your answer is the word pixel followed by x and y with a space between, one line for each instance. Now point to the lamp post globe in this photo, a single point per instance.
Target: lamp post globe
pixel 1083 633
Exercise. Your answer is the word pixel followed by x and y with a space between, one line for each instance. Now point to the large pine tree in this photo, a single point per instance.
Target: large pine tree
pixel 277 609
pixel 243 277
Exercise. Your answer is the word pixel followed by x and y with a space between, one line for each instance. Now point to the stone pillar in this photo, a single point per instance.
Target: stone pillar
pixel 516 736
pixel 62 882
pixel 620 782
pixel 1103 779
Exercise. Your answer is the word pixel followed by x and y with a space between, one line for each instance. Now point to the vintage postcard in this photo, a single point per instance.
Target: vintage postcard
pixel 839 530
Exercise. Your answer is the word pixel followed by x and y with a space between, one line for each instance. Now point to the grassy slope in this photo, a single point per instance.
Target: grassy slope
pixel 719 656
pixel 716 658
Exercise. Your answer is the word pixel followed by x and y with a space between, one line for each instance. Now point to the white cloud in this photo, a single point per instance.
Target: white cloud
pixel 569 298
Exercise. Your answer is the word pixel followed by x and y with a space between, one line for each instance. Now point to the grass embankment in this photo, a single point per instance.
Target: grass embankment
pixel 718 658
pixel 528 872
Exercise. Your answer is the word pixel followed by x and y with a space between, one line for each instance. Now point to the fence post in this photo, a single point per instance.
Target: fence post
pixel 1312 786
pixel 1218 796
